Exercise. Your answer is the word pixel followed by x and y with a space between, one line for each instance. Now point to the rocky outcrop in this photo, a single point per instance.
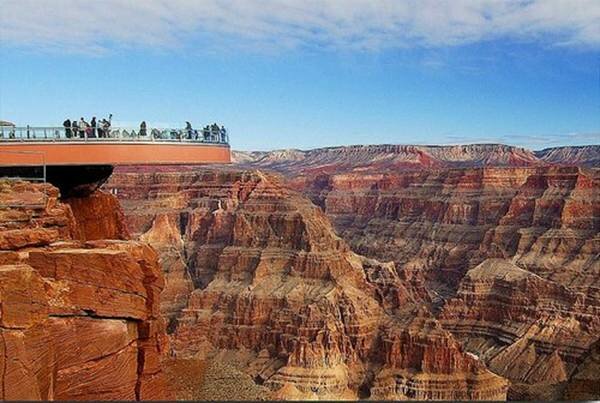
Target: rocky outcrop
pixel 272 280
pixel 437 225
pixel 98 216
pixel 78 319
pixel 166 239
pixel 585 382
pixel 530 329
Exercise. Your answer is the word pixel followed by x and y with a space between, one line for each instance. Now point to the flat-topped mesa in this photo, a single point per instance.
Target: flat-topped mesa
pixel 391 157
pixel 270 277
pixel 386 157
pixel 80 319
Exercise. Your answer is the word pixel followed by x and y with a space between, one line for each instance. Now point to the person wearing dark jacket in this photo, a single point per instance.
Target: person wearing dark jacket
pixel 93 126
pixel 143 128
pixel 74 127
pixel 67 126
pixel 188 129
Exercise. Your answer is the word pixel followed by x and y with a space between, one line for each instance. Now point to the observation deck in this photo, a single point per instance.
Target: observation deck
pixel 25 146
pixel 78 161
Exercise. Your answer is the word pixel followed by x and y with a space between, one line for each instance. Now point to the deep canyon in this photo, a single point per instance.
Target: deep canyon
pixel 383 272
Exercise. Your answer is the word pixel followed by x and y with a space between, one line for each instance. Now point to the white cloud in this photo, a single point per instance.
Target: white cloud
pixel 99 25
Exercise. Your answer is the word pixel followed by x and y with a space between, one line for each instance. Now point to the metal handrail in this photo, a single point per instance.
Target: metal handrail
pixel 111 134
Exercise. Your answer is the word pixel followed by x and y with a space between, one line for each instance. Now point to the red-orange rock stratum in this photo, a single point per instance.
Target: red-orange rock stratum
pixel 78 319
pixel 256 269
pixel 507 257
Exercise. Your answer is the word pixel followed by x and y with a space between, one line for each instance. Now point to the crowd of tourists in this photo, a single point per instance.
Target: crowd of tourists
pixel 81 128
pixel 102 129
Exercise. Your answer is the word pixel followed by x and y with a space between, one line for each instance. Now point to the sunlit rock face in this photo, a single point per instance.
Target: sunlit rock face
pixel 532 330
pixel 457 237
pixel 256 268
pixel 437 226
pixel 98 216
pixel 571 155
pixel 79 319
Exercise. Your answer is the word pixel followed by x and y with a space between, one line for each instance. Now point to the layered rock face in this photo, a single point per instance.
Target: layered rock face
pixel 436 225
pixel 78 319
pixel 531 313
pixel 532 330
pixel 270 278
pixel 442 223
pixel 98 216
pixel 585 382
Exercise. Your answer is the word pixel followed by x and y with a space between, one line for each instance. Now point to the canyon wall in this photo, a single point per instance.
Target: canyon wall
pixel 507 257
pixel 79 318
pixel 440 223
pixel 438 226
pixel 491 257
pixel 254 268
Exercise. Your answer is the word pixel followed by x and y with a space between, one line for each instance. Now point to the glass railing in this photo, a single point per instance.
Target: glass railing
pixel 112 134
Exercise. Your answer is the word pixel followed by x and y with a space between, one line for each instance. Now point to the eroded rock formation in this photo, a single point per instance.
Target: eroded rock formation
pixel 441 223
pixel 531 313
pixel 98 216
pixel 78 319
pixel 272 279
pixel 436 225
pixel 500 244
pixel 532 330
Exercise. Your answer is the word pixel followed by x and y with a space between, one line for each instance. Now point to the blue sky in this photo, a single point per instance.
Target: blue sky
pixel 289 74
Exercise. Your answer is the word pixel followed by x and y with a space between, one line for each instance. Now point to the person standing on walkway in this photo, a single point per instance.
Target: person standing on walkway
pixel 67 126
pixel 93 125
pixel 74 128
pixel 189 130
pixel 82 127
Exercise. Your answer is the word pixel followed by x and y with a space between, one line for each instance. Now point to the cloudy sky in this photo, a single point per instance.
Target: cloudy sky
pixel 291 73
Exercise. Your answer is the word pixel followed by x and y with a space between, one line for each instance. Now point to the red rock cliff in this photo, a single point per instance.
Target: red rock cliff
pixel 438 225
pixel 78 319
pixel 253 266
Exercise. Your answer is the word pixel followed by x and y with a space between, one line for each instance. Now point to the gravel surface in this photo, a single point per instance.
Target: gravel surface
pixel 216 380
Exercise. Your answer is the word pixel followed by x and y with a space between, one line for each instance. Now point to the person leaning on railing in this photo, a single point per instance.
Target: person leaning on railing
pixel 104 129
